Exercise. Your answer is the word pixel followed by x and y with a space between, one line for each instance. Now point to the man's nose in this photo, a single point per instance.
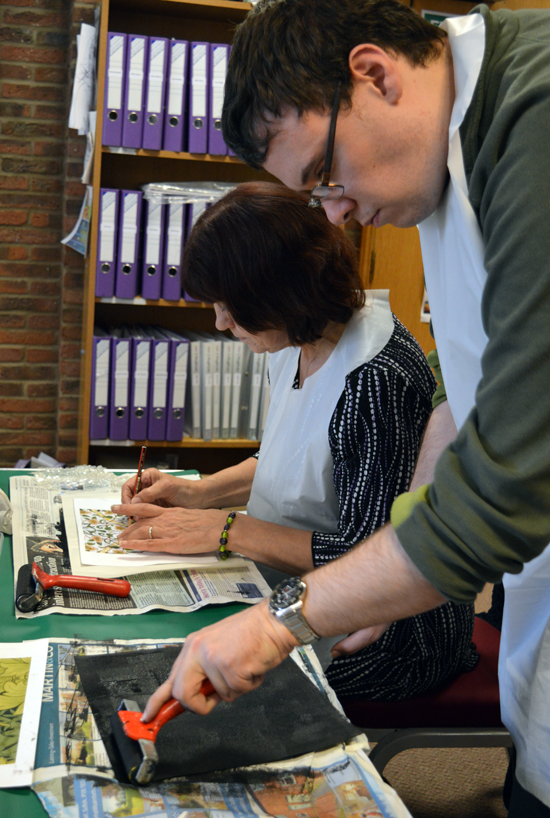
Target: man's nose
pixel 339 210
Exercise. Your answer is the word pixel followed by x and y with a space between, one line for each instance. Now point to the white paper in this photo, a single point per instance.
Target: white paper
pixel 84 78
pixel 110 565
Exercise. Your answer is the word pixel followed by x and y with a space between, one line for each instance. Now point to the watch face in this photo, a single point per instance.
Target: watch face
pixel 287 593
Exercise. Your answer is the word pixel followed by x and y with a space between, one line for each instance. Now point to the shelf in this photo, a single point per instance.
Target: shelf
pixel 186 443
pixel 211 10
pixel 143 302
pixel 179 155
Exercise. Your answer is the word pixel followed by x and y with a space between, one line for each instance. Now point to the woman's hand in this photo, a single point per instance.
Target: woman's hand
pixel 172 530
pixel 163 490
pixel 358 640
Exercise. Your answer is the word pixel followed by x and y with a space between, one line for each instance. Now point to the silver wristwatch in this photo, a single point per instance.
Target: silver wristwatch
pixel 285 603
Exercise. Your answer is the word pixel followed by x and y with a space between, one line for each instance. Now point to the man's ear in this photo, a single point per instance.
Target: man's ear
pixel 372 65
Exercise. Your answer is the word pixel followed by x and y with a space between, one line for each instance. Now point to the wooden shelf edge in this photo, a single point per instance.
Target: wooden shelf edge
pixel 143 302
pixel 181 155
pixel 186 443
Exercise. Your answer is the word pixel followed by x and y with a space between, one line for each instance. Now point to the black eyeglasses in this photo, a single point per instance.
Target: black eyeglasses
pixel 324 191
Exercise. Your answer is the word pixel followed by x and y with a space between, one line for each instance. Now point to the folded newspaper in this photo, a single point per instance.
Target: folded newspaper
pixel 36 537
pixel 73 777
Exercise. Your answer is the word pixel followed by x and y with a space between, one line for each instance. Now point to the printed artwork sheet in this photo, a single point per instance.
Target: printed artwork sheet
pixel 22 670
pixel 92 530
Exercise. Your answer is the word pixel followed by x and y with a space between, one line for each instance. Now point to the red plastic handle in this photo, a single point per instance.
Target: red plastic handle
pixel 113 587
pixel 136 729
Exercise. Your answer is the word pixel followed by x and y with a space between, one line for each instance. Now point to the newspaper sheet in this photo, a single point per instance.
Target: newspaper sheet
pixel 35 537
pixel 73 777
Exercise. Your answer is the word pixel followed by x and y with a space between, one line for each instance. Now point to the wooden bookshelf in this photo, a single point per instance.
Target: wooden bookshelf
pixel 212 21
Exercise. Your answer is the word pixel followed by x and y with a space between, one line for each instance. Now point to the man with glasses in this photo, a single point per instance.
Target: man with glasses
pixel 444 128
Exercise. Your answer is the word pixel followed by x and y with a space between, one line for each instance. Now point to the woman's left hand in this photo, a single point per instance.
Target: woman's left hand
pixel 172 530
pixel 358 640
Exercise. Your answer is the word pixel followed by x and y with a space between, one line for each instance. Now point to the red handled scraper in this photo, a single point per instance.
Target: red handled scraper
pixel 33 581
pixel 135 741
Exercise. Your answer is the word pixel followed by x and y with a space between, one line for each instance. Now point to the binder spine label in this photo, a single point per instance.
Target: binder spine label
pixel 156 76
pixel 175 234
pixel 121 373
pixel 161 374
pixel 135 79
pixel 177 80
pixel 198 105
pixel 101 386
pixel 141 373
pixel 154 215
pixel 129 229
pixel 219 70
pixel 108 214
pixel 180 376
pixel 116 59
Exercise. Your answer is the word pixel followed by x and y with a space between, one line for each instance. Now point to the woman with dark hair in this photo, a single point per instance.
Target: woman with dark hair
pixel 350 396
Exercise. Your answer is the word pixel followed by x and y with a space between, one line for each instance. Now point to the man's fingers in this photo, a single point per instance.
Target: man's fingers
pixel 158 698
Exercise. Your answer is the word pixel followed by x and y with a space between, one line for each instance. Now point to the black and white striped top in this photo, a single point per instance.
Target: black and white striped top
pixel 375 435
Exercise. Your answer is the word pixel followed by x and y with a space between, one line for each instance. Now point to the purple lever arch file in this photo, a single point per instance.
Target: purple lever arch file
pixel 106 243
pixel 151 265
pixel 136 67
pixel 139 383
pixel 174 111
pixel 177 384
pixel 113 108
pixel 218 55
pixel 99 409
pixel 126 280
pixel 174 238
pixel 158 385
pixel 198 98
pixel 120 385
pixel 155 88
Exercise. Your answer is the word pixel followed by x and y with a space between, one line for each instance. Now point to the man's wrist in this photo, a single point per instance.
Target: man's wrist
pixel 276 630
pixel 286 605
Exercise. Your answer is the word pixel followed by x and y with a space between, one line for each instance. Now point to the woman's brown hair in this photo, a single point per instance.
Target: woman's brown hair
pixel 274 262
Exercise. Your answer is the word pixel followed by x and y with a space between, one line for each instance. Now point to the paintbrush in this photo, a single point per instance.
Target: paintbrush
pixel 135 740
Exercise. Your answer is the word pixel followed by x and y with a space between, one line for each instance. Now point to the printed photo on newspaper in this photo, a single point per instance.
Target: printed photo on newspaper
pixel 73 777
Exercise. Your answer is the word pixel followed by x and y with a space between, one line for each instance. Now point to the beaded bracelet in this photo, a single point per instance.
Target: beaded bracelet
pixel 224 552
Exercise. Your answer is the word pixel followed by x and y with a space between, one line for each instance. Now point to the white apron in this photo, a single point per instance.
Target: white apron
pixel 452 252
pixel 293 484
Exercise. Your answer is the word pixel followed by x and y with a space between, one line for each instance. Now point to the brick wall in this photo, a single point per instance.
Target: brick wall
pixel 41 281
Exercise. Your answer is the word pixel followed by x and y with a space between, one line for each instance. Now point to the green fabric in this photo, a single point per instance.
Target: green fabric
pixel 440 395
pixel 156 624
pixel 489 503
pixel 403 505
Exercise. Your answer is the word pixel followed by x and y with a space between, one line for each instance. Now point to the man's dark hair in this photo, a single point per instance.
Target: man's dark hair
pixel 291 53
pixel 274 262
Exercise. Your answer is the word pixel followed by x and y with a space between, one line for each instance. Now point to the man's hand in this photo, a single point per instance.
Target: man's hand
pixel 234 654
pixel 163 490
pixel 173 530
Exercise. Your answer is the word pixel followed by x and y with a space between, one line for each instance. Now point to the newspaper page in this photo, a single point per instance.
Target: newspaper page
pixel 37 537
pixel 73 777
